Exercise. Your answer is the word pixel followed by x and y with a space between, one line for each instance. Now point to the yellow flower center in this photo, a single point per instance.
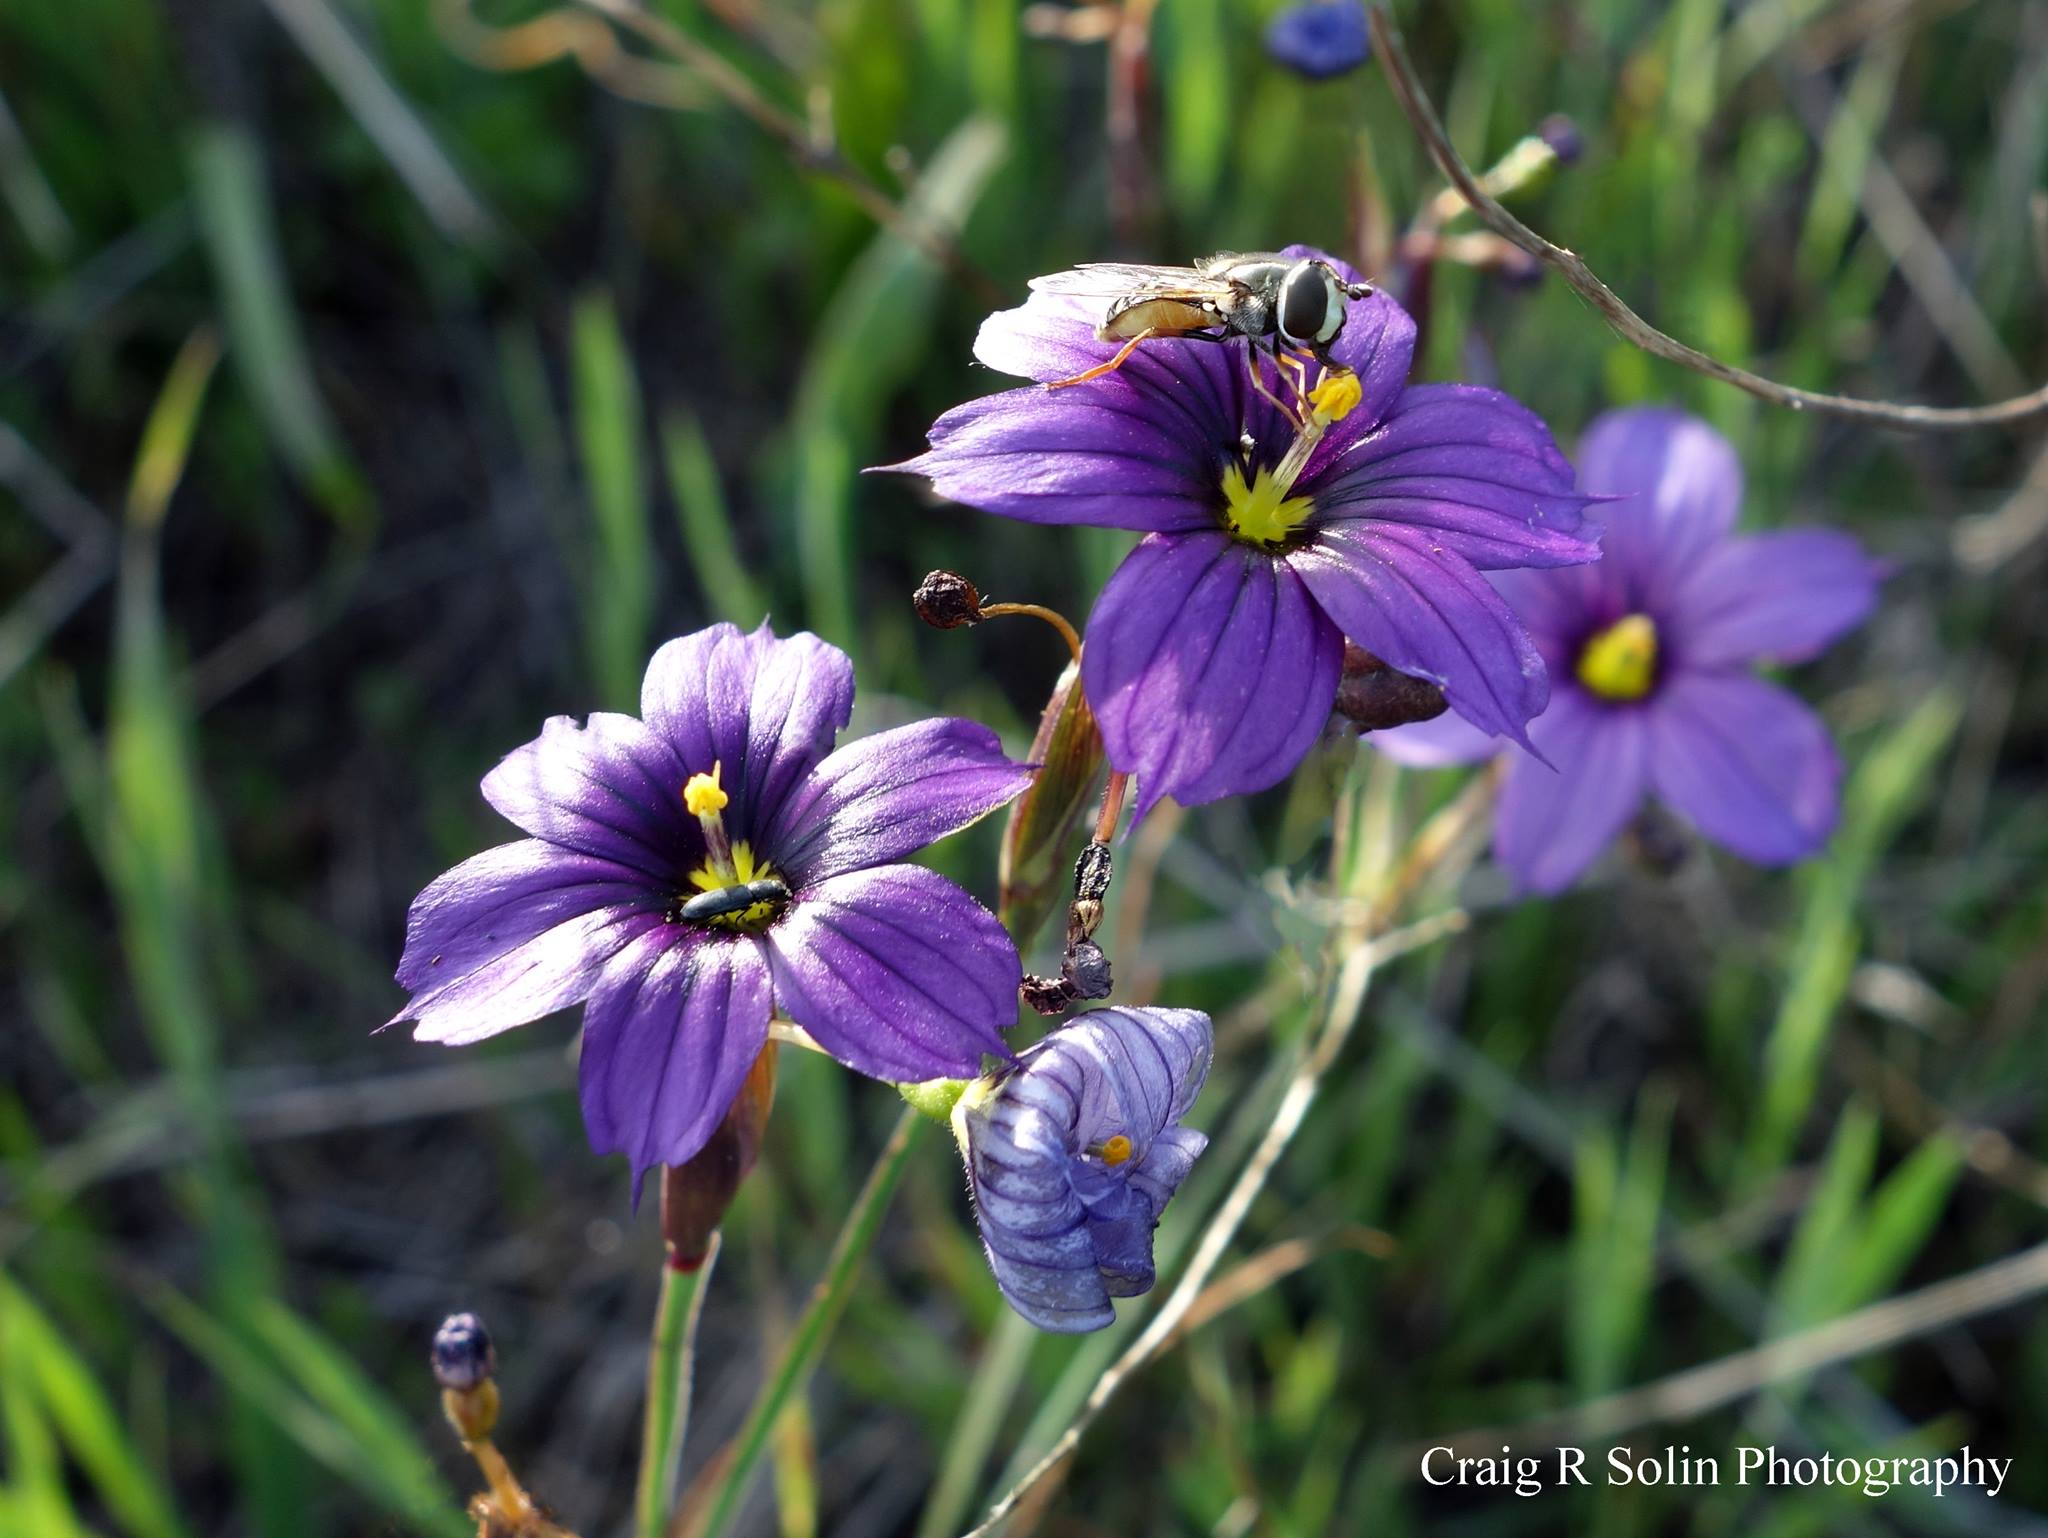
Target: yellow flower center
pixel 745 869
pixel 1262 513
pixel 1620 663
pixel 1115 1150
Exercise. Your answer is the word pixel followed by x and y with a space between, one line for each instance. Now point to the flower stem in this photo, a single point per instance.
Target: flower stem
pixel 814 1329
pixel 1052 617
pixel 670 1358
pixel 1112 807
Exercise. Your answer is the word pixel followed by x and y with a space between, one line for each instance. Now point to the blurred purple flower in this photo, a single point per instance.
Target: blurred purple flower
pixel 1653 650
pixel 692 869
pixel 1320 39
pixel 1212 655
pixel 1075 1151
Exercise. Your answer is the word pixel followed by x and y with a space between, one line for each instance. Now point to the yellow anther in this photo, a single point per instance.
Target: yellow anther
pixel 1620 663
pixel 703 795
pixel 1336 394
pixel 1261 513
pixel 1115 1150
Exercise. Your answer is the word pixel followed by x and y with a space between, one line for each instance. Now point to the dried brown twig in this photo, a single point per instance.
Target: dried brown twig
pixel 1422 117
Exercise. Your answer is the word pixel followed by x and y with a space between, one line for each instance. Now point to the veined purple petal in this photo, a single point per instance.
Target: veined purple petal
pixel 556 968
pixel 876 800
pixel 496 901
pixel 1064 1229
pixel 1084 455
pixel 1427 611
pixel 1684 486
pixel 1784 596
pixel 670 1032
pixel 764 708
pixel 1475 469
pixel 1749 765
pixel 897 973
pixel 1209 670
pixel 1553 822
pixel 609 788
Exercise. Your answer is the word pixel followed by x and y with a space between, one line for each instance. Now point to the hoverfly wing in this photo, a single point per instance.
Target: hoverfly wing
pixel 1131 280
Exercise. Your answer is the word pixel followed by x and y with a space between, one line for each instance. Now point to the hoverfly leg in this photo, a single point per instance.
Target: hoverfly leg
pixel 1251 363
pixel 1110 367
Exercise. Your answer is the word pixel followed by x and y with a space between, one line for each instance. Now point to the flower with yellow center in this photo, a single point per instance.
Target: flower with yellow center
pixel 1620 662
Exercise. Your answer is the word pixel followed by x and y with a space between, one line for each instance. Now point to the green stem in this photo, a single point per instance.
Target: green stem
pixel 988 1400
pixel 669 1362
pixel 814 1329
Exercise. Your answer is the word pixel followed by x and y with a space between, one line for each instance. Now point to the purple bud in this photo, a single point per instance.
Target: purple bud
pixel 1563 137
pixel 946 600
pixel 463 1355
pixel 1320 39
pixel 1086 970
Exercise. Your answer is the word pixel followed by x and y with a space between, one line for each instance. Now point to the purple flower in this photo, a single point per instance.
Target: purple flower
pixel 1653 650
pixel 690 871
pixel 1075 1151
pixel 1212 655
pixel 1320 39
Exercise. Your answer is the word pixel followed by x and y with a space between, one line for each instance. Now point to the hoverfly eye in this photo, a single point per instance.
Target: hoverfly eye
pixel 1311 305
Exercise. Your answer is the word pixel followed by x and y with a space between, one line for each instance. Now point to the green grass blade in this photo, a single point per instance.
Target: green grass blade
pixel 619 599
pixel 730 592
pixel 240 235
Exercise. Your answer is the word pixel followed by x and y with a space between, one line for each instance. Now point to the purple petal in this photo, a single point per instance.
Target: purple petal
pixel 554 969
pixel 1427 611
pixel 1683 484
pixel 496 901
pixel 668 1038
pixel 897 973
pixel 1209 670
pixel 889 795
pixel 1069 457
pixel 609 788
pixel 1784 596
pixel 1447 740
pixel 1477 470
pixel 1553 822
pixel 766 709
pixel 1749 765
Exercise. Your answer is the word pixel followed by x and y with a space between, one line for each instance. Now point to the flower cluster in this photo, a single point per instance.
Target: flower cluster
pixel 688 873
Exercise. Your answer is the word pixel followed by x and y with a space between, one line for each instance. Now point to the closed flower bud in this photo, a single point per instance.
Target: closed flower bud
pixel 946 600
pixel 1563 137
pixel 463 1355
pixel 1320 39
pixel 696 1195
pixel 1086 970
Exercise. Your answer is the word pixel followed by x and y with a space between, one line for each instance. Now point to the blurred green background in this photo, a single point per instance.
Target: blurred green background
pixel 516 378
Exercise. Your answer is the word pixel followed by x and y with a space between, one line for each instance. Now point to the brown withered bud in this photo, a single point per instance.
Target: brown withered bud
pixel 1086 971
pixel 1092 871
pixel 946 600
pixel 695 1196
pixel 1373 697
pixel 1047 995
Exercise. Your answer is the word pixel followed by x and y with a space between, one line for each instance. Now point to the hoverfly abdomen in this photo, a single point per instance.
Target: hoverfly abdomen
pixel 1162 317
pixel 736 906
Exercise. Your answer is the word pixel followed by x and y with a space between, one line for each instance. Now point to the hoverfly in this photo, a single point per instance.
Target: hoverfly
pixel 1293 306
